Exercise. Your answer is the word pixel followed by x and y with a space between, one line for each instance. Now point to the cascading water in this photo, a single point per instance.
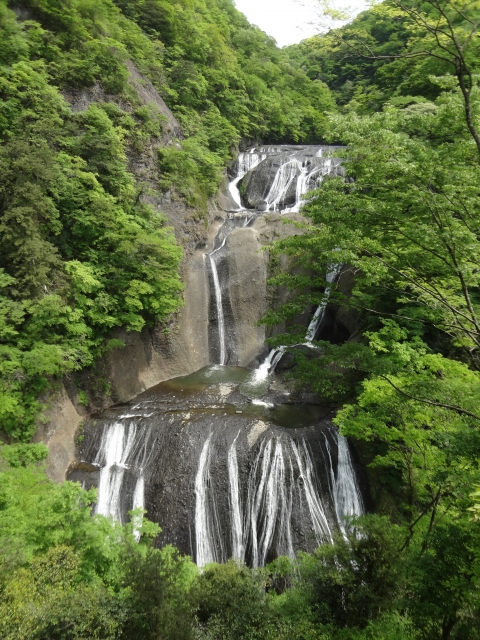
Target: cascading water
pixel 123 456
pixel 219 301
pixel 319 314
pixel 303 167
pixel 116 446
pixel 278 178
pixel 222 487
pixel 238 548
pixel 246 162
pixel 206 549
pixel 270 503
pixel 284 178
pixel 260 375
pixel 220 474
pixel 348 499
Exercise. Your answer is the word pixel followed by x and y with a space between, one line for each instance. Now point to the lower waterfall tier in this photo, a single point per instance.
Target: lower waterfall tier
pixel 222 475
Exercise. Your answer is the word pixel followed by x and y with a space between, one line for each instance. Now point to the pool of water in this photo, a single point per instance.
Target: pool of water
pixel 290 416
pixel 206 377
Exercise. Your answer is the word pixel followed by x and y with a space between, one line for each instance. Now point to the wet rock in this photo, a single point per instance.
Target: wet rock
pixel 228 482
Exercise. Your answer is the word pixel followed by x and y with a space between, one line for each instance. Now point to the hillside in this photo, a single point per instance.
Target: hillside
pixel 382 56
pixel 82 250
pixel 239 324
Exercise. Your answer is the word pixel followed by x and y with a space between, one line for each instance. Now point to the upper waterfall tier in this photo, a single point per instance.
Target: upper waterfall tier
pixel 277 178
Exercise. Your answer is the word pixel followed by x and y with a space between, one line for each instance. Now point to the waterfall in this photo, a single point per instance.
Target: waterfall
pixel 348 498
pixel 295 488
pixel 123 451
pixel 246 162
pixel 238 547
pixel 261 373
pixel 319 314
pixel 317 514
pixel 115 448
pixel 281 184
pixel 304 173
pixel 346 494
pixel 226 485
pixel 219 301
pixel 209 543
pixel 269 503
pixel 267 367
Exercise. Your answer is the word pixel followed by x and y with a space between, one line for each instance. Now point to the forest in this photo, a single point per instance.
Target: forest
pixel 82 253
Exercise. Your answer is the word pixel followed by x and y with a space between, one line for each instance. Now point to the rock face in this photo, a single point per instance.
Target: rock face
pixel 225 473
pixel 222 476
pixel 225 272
pixel 63 420
pixel 247 273
pixel 153 355
pixel 286 174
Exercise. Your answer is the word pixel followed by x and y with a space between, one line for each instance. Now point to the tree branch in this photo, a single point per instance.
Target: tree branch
pixel 450 407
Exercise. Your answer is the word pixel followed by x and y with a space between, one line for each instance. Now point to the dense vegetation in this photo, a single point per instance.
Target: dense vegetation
pixel 65 574
pixel 80 254
pixel 388 53
pixel 405 225
pixel 80 251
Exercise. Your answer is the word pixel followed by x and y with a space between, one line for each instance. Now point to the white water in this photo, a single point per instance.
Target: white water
pixel 115 447
pixel 238 547
pixel 284 177
pixel 261 373
pixel 260 516
pixel 308 177
pixel 317 514
pixel 346 494
pixel 319 314
pixel 219 302
pixel 122 448
pixel 267 367
pixel 204 539
pixel 269 507
pixel 303 187
pixel 348 498
pixel 246 162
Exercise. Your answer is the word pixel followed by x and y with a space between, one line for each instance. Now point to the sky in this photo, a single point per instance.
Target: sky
pixel 290 21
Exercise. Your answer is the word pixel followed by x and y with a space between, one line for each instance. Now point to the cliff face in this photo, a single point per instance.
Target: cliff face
pixel 184 344
pixel 152 355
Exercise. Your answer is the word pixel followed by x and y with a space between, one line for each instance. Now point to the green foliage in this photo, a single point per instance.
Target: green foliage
pixel 80 252
pixel 160 605
pixel 67 574
pixel 45 600
pixel 444 594
pixel 389 53
pixel 23 455
pixel 404 223
pixel 358 579
pixel 231 602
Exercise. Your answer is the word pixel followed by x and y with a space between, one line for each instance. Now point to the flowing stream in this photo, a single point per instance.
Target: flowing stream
pixel 227 474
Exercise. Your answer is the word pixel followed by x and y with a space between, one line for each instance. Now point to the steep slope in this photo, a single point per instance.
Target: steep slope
pixel 92 159
pixel 382 55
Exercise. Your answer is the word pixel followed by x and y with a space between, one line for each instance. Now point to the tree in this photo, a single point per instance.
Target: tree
pixel 443 597
pixel 356 580
pixel 231 602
